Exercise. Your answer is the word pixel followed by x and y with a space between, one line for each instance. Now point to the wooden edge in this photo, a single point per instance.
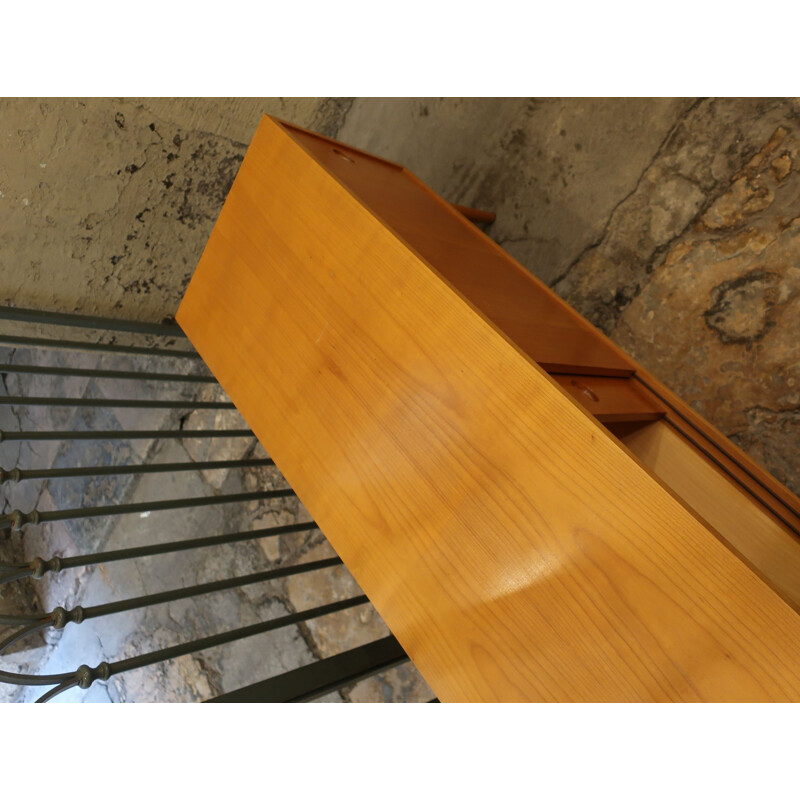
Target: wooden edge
pixel 335 142
pixel 581 369
pixel 578 320
pixel 629 416
pixel 475 214
pixel 622 427
pixel 702 433
pixel 612 399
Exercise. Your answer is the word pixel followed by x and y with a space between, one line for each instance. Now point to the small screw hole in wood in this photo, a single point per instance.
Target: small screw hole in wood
pixel 343 155
pixel 586 390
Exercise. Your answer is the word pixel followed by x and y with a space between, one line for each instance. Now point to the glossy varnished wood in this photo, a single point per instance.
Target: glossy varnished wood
pixel 514 548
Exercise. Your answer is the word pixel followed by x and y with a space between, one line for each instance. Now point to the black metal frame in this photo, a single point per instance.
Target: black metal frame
pixel 322 677
pixel 302 684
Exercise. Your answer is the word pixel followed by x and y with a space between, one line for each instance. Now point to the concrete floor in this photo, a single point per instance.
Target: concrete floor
pixel 671 224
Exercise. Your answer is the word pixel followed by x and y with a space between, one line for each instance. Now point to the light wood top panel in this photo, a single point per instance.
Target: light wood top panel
pixel 511 544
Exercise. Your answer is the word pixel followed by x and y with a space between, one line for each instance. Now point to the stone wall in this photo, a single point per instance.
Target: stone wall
pixel 697 274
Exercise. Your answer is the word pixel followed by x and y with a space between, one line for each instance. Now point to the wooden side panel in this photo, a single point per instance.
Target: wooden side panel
pixel 517 303
pixel 760 483
pixel 527 311
pixel 611 399
pixel 512 546
pixel 769 546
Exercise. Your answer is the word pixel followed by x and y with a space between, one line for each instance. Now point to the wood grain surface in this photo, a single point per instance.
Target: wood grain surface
pixel 511 544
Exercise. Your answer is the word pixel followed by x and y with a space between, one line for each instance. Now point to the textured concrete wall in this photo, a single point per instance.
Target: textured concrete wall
pixel 106 204
pixel 669 223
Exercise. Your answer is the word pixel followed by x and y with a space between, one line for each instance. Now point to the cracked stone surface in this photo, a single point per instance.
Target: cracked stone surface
pixel 553 170
pixel 710 302
pixel 671 224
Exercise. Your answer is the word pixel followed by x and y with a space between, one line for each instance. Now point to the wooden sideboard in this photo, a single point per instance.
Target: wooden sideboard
pixel 533 515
